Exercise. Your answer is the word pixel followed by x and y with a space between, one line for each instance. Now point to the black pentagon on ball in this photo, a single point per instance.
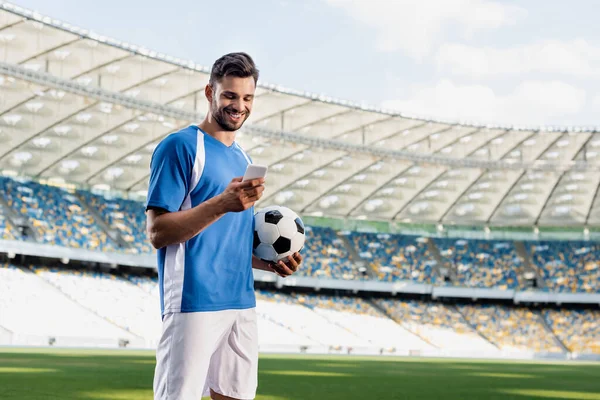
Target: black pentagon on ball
pixel 273 217
pixel 282 245
pixel 256 240
pixel 299 225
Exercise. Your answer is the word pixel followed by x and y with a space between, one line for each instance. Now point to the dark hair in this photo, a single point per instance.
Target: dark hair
pixel 240 65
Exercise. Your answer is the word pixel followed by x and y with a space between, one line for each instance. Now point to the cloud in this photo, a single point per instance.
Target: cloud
pixel 576 57
pixel 531 103
pixel 414 26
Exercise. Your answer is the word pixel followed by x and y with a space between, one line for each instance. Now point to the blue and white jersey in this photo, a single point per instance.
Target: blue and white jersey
pixel 213 270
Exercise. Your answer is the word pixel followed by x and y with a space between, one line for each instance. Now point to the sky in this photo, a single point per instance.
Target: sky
pixel 534 62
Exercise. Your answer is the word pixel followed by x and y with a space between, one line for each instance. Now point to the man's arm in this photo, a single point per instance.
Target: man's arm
pixel 280 268
pixel 167 228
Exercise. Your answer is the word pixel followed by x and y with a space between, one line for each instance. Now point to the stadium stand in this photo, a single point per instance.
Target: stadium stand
pixel 35 313
pixel 56 215
pixel 147 284
pixel 82 308
pixel 125 216
pixel 7 231
pixel 364 321
pixel 326 256
pixel 396 257
pixel 511 329
pixel 60 217
pixel 579 330
pixel 297 325
pixel 482 263
pixel 112 297
pixel 113 308
pixel 568 266
pixel 439 324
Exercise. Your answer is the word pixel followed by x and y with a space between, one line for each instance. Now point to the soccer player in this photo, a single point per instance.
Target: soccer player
pixel 200 218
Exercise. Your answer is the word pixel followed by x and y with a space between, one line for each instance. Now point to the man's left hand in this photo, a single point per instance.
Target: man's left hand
pixel 287 267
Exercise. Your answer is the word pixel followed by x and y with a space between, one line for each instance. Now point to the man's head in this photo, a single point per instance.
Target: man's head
pixel 230 90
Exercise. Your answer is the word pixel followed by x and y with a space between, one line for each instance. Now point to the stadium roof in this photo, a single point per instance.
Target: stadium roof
pixel 87 109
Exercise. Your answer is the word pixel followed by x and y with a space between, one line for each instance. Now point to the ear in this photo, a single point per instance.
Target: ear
pixel 208 92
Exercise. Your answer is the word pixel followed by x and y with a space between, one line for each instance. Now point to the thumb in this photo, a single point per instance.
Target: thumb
pixel 237 179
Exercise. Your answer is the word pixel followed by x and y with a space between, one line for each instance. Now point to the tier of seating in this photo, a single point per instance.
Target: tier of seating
pixel 568 266
pixel 511 329
pixel 309 327
pixel 79 219
pixel 113 298
pixel 41 305
pixel 7 231
pixel 482 263
pixel 35 313
pixel 364 321
pixel 125 216
pixel 326 256
pixel 579 330
pixel 439 324
pixel 396 257
pixel 56 215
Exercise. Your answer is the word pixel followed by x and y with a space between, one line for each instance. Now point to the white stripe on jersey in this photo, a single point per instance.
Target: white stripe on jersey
pixel 175 257
pixel 243 153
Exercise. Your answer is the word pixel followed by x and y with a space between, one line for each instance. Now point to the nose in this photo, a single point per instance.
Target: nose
pixel 238 105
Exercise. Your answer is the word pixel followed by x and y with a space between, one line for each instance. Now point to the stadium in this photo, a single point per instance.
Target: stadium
pixel 436 251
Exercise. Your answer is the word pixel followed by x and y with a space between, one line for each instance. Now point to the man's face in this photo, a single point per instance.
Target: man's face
pixel 231 103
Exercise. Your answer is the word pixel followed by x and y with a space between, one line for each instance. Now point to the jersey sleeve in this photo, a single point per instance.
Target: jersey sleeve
pixel 170 173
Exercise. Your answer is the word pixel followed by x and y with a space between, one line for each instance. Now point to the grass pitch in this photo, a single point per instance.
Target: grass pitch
pixel 28 374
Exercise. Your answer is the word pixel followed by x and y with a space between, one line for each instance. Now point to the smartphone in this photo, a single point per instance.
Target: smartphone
pixel 254 171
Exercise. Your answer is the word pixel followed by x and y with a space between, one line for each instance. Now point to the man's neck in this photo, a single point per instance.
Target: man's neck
pixel 215 130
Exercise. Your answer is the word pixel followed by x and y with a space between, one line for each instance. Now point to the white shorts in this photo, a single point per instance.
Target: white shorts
pixel 200 351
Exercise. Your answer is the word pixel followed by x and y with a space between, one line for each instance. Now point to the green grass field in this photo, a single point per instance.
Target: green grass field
pixel 27 374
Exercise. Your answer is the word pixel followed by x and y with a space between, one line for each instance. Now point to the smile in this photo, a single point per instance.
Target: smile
pixel 234 115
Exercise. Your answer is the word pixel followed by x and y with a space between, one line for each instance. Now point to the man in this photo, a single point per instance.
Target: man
pixel 200 218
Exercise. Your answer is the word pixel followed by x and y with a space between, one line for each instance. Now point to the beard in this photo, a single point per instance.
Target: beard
pixel 220 116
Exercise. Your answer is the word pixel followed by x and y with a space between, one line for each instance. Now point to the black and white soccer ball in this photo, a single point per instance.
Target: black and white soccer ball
pixel 278 233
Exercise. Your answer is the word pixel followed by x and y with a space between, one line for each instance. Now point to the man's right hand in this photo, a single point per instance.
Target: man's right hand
pixel 240 196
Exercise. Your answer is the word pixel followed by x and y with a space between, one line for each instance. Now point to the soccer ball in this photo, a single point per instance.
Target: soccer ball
pixel 278 233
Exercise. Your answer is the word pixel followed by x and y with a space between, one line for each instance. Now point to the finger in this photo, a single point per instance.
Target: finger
pixel 244 185
pixel 292 264
pixel 254 191
pixel 248 198
pixel 284 268
pixel 237 179
pixel 298 258
pixel 275 267
pixel 258 182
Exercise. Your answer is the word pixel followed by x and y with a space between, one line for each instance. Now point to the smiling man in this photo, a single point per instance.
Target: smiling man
pixel 200 217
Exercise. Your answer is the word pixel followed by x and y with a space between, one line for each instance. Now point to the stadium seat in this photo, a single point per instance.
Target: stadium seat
pixel 482 263
pixel 325 256
pixel 114 298
pixel 396 257
pixel 364 321
pixel 36 312
pixel 126 216
pixel 579 330
pixel 437 323
pixel 7 231
pixel 56 215
pixel 513 329
pixel 568 266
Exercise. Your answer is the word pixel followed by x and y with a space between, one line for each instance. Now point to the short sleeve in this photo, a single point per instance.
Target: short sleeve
pixel 170 173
